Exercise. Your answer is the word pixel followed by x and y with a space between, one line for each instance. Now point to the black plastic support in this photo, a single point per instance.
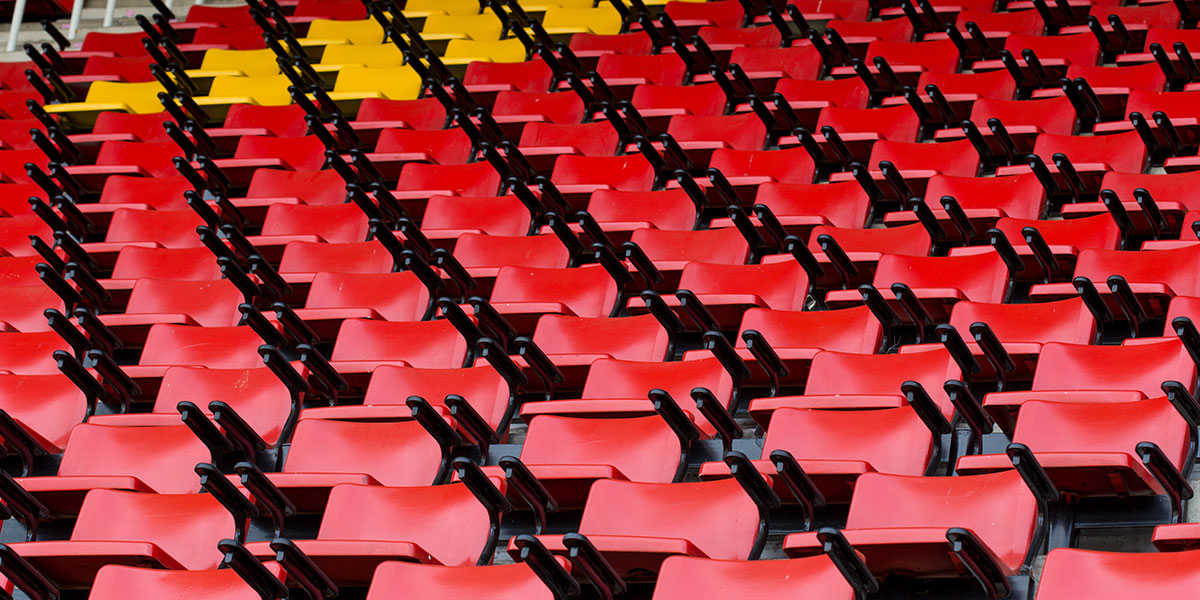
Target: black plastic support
pixel 22 505
pixel 1092 300
pixel 766 357
pixel 994 351
pixel 268 496
pixel 950 338
pixel 251 570
pixel 303 570
pixel 971 411
pixel 926 408
pixel 717 416
pixel 330 382
pixel 531 490
pixel 1031 471
pixel 980 562
pixel 543 563
pixel 586 559
pixel 25 576
pixel 759 490
pixel 1041 252
pixel 678 421
pixel 798 483
pixel 218 486
pixel 1128 301
pixel 848 561
pixel 1167 474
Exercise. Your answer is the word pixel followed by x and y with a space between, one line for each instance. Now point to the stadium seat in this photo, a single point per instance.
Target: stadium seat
pixel 114 581
pixel 1114 574
pixel 690 577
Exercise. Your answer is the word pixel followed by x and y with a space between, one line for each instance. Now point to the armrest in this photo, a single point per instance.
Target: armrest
pixel 676 419
pixel 586 558
pixel 539 362
pixel 950 338
pixel 958 217
pixel 752 482
pixel 1167 474
pixel 530 489
pixel 543 563
pixel 96 330
pixel 454 269
pixel 969 408
pixel 279 365
pixel 838 258
pixel 1149 207
pixel 592 228
pixel 113 377
pixel 1129 304
pixel 1116 209
pixel 770 222
pixel 929 412
pixel 645 267
pixel 466 327
pixel 54 280
pixel 1091 299
pixel 607 257
pixel 834 140
pixel 25 576
pixel 766 356
pixel 491 320
pixel 481 487
pixel 21 505
pixel 1032 472
pixel 293 326
pixel 469 419
pixel 218 445
pixel 1041 252
pixel 490 351
pixel 799 483
pixel 74 370
pixel 46 251
pixel 1008 254
pixel 893 177
pixel 434 424
pixel 331 382
pixel 271 280
pixel 927 219
pixel 16 438
pixel 262 581
pixel 1067 169
pixel 717 416
pixel 718 344
pixel 983 564
pixel 913 308
pixel 414 238
pixel 266 493
pixel 303 570
pixel 699 313
pixel 237 430
pixel 254 319
pixel 847 560
pixel 742 222
pixel 238 505
pixel 68 332
pixel 1183 401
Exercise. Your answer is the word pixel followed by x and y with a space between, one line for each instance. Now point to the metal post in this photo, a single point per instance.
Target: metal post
pixel 76 16
pixel 109 9
pixel 18 16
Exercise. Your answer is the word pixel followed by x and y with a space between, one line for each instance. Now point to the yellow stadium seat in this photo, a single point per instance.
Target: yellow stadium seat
pixel 424 8
pixel 237 63
pixel 483 27
pixel 104 96
pixel 340 56
pixel 355 84
pixel 365 32
pixel 562 22
pixel 461 52
pixel 227 91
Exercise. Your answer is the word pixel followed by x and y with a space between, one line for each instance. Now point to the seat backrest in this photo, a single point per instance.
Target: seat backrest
pixel 836 373
pixel 627 338
pixel 1174 187
pixel 801 61
pixel 210 303
pixel 358 31
pixel 1071 573
pixel 474 179
pixel 684 577
pixel 113 582
pixel 494 215
pixel 852 329
pixel 154 157
pixel 1146 77
pixel 355 257
pixel 192 264
pixel 238 37
pixel 739 132
pixel 300 153
pixel 753 37
pixel 980 277
pixel 897 123
pixel 395 579
pixel 161 193
pixel 1120 151
pixel 703 99
pixel 251 63
pixel 121 44
pixel 1066 321
pixel 847 93
pixel 444 146
pixel 270 90
pixel 541 251
pixel 640 448
pixel 392 452
pixel 140 97
pixel 425 113
pixel 213 347
pixel 910 240
pixel 444 520
pixel 636 43
pixel 997 85
pixel 625 173
pixel 224 16
pixel 1140 367
pixel 170 228
pixel 556 107
pixel 30 353
pixel 781 285
pixel 185 526
pixel 792 165
pixel 529 76
pixel 147 127
pixel 312 187
pixel 939 55
pixel 1077 49
pixel 334 223
pixel 624 380
pixel 948 158
pixel 1049 115
pixel 716 246
pixel 440 346
pixel 256 394
pixel 1103 428
pixel 162 457
pixel 996 507
pixel 1172 267
pixel 482 387
pixel 370 55
pixel 283 121
pixel 843 204
pixel 1098 231
pixel 395 296
pixel 662 69
pixel 724 13
pixel 587 291
pixel 591 139
pixel 891 440
pixel 718 517
pixel 1019 196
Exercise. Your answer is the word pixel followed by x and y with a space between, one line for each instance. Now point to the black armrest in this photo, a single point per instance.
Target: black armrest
pixel 895 179
pixel 490 351
pixel 953 342
pixel 1043 174
pixel 770 222
pixel 434 424
pixel 266 494
pixel 470 420
pixel 1004 248
pixel 543 563
pixel 480 486
pixel 61 325
pixel 21 505
pixel 742 222
pixel 717 416
pixel 1041 252
pixel 293 326
pixel 74 370
pixel 537 360
pixel 586 558
pixel 331 382
pixel 848 561
pixel 559 227
pixel 676 419
pixel 752 481
pixel 926 408
pixel 233 271
pixel 1067 169
pixel 1092 300
pixel 959 218
pixel 25 576
pixel 1154 215
pixel 218 445
pixel 492 321
pixel 912 306
pixel 303 570
pixel 969 408
pixel 238 505
pixel 835 142
pixel 993 349
pixel 613 266
pixel 1031 471
pixel 271 280
pixel 46 251
pixel 645 267
pixel 1117 210
pixel 980 561
pixel 530 489
pixel 454 269
pixel 971 131
pixel 18 439
pixel 1183 401
pixel 466 327
pixel 838 258
pixel 767 358
pixel 252 572
pixel 279 365
pixel 254 319
pixel 1167 475
pixel 54 280
pixel 927 219
pixel 237 430
pixel 112 376
pixel 888 319
pixel 696 310
pixel 798 483
pixel 592 228
pixel 1128 302
pixel 717 343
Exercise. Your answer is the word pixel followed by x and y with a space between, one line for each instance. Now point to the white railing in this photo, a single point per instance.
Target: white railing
pixel 18 17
